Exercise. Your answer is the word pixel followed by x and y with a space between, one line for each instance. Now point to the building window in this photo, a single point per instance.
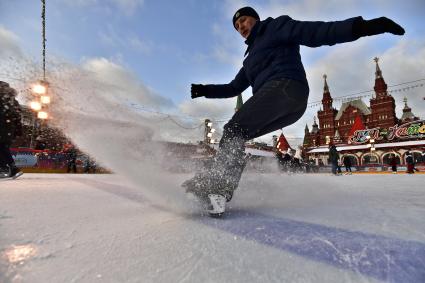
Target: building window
pixel 352 158
pixel 386 159
pixel 370 159
pixel 328 139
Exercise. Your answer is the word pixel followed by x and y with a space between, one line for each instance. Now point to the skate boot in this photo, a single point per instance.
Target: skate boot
pixel 217 205
pixel 15 172
pixel 213 203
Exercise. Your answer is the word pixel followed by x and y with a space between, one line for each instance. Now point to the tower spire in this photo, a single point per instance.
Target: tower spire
pixel 407 116
pixel 380 85
pixel 326 87
pixel 327 99
pixel 378 72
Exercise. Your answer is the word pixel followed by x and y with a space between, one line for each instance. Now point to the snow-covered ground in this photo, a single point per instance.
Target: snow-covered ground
pixel 279 228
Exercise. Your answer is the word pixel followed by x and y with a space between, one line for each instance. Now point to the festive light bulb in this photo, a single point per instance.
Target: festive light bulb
pixel 35 105
pixel 39 89
pixel 45 99
pixel 42 115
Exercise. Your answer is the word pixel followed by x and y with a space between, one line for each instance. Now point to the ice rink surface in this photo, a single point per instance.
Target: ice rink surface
pixel 279 228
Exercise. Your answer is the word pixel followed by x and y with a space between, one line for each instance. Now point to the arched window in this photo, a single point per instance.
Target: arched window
pixel 417 156
pixel 353 159
pixel 370 158
pixel 386 158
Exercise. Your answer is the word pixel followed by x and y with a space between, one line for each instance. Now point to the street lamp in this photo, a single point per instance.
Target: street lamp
pixel 45 99
pixel 39 88
pixel 208 132
pixel 41 99
pixel 42 115
pixel 35 105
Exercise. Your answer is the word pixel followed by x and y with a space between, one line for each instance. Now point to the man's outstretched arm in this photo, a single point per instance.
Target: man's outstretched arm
pixel 234 88
pixel 375 26
pixel 314 34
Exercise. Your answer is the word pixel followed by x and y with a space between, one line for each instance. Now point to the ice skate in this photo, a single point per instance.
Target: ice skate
pixel 15 172
pixel 216 206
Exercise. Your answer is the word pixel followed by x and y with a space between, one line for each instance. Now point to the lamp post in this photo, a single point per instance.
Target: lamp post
pixel 39 104
pixel 208 132
pixel 41 99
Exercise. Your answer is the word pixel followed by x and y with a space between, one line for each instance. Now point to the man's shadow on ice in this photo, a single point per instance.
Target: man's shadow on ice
pixel 380 257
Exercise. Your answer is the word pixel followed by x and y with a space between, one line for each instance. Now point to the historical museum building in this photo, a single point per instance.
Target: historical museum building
pixel 370 135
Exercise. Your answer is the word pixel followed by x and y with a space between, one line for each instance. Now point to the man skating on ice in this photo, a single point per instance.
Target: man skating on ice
pixel 273 68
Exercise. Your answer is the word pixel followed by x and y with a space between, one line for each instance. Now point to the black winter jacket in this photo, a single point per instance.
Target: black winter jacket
pixel 10 118
pixel 274 52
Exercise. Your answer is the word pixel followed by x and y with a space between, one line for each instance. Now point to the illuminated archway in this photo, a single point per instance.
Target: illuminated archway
pixel 370 158
pixel 386 158
pixel 354 159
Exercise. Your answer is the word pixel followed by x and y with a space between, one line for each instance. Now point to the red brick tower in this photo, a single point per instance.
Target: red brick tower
pixel 382 105
pixel 326 116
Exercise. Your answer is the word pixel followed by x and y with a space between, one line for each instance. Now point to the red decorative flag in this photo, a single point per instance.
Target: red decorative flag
pixel 282 143
pixel 358 125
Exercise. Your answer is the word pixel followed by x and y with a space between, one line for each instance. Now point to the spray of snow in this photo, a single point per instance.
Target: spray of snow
pixel 93 105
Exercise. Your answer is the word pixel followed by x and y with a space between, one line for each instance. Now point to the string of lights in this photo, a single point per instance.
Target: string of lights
pixel 344 98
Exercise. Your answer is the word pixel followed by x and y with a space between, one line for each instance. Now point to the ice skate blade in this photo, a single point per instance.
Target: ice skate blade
pixel 20 173
pixel 215 215
pixel 218 205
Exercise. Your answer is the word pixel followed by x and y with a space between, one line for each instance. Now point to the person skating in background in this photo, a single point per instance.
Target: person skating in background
pixel 347 164
pixel 334 159
pixel 10 128
pixel 410 163
pixel 393 163
pixel 273 68
pixel 71 158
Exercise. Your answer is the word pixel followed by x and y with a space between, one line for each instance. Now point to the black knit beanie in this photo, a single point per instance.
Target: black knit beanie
pixel 245 11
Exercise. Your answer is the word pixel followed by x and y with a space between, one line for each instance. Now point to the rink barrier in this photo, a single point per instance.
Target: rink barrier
pixel 47 161
pixel 50 161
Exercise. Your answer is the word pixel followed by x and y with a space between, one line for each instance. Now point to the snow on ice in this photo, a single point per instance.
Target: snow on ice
pixel 279 228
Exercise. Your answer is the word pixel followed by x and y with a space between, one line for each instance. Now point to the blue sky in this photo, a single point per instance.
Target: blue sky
pixel 164 46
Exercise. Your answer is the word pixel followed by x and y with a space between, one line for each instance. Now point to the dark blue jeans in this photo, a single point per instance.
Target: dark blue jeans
pixel 334 167
pixel 277 104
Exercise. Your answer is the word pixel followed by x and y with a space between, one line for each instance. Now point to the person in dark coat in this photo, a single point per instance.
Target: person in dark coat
pixel 10 128
pixel 393 163
pixel 273 68
pixel 71 158
pixel 347 164
pixel 410 163
pixel 333 159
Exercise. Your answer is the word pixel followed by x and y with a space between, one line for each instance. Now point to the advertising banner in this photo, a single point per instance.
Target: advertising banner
pixel 411 130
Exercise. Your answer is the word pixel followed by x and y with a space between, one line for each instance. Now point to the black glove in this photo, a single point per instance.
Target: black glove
pixel 198 90
pixel 375 26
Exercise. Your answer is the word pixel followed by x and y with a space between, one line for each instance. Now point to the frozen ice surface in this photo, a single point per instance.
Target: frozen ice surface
pixel 279 228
